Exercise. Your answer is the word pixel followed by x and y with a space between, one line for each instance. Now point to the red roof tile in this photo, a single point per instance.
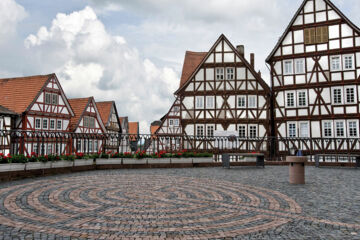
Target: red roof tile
pixel 104 109
pixel 153 129
pixel 134 128
pixel 17 94
pixel 191 62
pixel 78 105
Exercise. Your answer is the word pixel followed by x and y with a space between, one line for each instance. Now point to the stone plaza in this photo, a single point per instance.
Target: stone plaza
pixel 195 203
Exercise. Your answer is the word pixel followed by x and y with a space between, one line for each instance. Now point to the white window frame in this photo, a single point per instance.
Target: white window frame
pixel 286 99
pixel 308 130
pixel 176 122
pixel 199 102
pixel 302 61
pixel 210 99
pixel 171 122
pixel 90 146
pixel 332 65
pixel 56 97
pixel 96 145
pixel 249 101
pixel 333 95
pixel 336 128
pixel 332 129
pixel 346 94
pixel 249 131
pixel 288 130
pixel 221 75
pixel 50 98
pixel 47 123
pixel 198 130
pixel 352 61
pixel 229 74
pixel 243 126
pixel 244 101
pixel 291 63
pixel 357 128
pixel 54 121
pixel 57 124
pixel 210 131
pixel 298 98
pixel 40 123
pixel 49 147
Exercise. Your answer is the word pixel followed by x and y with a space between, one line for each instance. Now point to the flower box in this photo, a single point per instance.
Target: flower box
pixel 37 165
pixel 181 160
pixel 202 160
pixel 12 167
pixel 62 164
pixel 83 162
pixel 135 161
pixel 159 161
pixel 108 161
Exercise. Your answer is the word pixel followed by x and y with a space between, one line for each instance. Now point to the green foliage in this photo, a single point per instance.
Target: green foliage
pixel 19 159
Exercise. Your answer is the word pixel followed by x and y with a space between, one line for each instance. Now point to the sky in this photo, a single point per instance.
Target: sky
pixel 132 51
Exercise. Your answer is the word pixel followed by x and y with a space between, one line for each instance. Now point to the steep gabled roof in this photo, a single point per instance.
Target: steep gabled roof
pixel 191 62
pixel 5 111
pixel 351 24
pixel 134 128
pixel 105 111
pixel 17 94
pixel 242 58
pixel 123 120
pixel 79 106
pixel 153 129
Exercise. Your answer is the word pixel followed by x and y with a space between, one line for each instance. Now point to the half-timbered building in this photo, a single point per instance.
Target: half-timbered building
pixel 134 135
pixel 88 125
pixel 7 120
pixel 221 94
pixel 41 105
pixel 315 70
pixel 125 142
pixel 110 119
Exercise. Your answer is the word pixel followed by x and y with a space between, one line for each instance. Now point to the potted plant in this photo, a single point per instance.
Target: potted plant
pixel 110 159
pixel 65 161
pixel 36 163
pixel 181 158
pixel 160 158
pixel 10 163
pixel 202 158
pixel 137 158
pixel 83 160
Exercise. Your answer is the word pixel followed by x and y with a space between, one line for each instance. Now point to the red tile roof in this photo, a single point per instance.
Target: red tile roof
pixel 134 128
pixel 122 119
pixel 17 94
pixel 153 129
pixel 78 105
pixel 191 62
pixel 104 109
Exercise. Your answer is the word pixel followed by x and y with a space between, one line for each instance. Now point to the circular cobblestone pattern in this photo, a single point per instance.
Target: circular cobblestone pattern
pixel 141 204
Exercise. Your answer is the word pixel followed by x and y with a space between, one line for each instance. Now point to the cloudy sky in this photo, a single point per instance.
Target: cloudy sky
pixel 132 51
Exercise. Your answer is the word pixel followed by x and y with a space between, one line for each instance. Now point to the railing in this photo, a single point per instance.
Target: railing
pixel 46 143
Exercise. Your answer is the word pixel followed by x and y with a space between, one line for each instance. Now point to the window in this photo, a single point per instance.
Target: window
pixel 337 95
pixel 47 98
pixel 304 130
pixel 253 131
pixel 199 102
pixel 171 122
pixel 327 128
pixel 348 62
pixel 52 124
pixel 96 145
pixel 292 130
pixel 176 109
pixel 316 35
pixel 230 73
pixel 242 131
pixel 57 149
pixel 49 149
pixel 90 146
pixel 302 99
pixel 242 101
pixel 78 145
pixel 350 94
pixel 200 131
pixel 59 124
pixel 86 121
pixel 176 122
pixel 45 123
pixel 252 101
pixel 290 99
pixel 210 131
pixel 340 129
pixel 299 66
pixel 335 64
pixel 36 148
pixel 353 129
pixel 54 99
pixel 37 123
pixel 210 102
pixel 219 74
pixel 91 122
pixel 288 67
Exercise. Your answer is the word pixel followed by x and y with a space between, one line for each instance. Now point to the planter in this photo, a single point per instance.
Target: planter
pixel 37 165
pixel 108 161
pixel 181 160
pixel 83 162
pixel 135 161
pixel 12 167
pixel 203 160
pixel 62 164
pixel 159 161
pixel 249 159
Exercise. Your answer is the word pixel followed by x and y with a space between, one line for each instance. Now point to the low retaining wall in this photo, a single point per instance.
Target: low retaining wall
pixel 10 172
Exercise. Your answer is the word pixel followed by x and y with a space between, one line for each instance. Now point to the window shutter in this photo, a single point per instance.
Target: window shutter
pixel 319 35
pixel 325 34
pixel 312 35
pixel 307 36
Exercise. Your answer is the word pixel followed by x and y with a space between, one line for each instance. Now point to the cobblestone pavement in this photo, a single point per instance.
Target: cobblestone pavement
pixel 196 203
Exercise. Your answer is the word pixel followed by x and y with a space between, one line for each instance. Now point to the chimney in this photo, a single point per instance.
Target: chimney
pixel 241 50
pixel 252 60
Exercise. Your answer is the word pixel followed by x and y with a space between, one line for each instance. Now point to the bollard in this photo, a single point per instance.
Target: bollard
pixel 296 169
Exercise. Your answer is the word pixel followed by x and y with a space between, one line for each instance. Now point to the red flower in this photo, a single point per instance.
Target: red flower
pixel 1 155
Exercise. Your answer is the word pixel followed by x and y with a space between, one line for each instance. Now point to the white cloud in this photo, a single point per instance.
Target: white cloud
pixel 92 62
pixel 11 14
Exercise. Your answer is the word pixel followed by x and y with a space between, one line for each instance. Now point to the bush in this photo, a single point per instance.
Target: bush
pixel 128 155
pixel 115 155
pixel 69 157
pixel 19 159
